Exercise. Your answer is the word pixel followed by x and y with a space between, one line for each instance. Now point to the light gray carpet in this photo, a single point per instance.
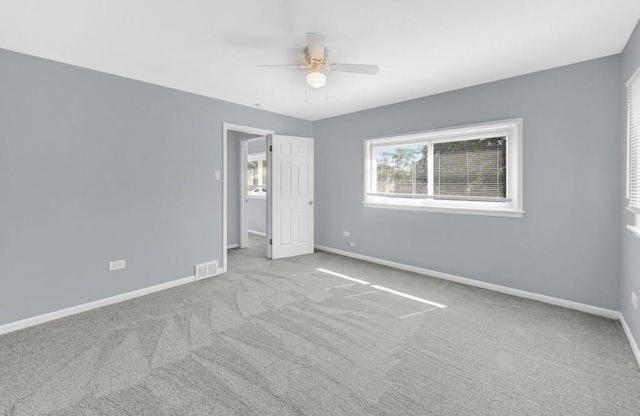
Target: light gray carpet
pixel 258 341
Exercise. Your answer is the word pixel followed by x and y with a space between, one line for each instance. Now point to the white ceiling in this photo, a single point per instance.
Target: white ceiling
pixel 423 47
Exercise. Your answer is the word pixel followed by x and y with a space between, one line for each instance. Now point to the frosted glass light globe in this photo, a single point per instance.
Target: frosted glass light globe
pixel 316 79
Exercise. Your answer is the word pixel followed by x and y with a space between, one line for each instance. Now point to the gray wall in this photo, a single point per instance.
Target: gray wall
pixel 95 167
pixel 568 243
pixel 259 146
pixel 257 215
pixel 630 273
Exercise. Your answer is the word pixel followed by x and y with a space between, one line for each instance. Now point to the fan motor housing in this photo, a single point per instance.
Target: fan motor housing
pixel 316 62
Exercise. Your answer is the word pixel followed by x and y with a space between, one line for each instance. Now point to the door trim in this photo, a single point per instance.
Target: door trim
pixel 225 167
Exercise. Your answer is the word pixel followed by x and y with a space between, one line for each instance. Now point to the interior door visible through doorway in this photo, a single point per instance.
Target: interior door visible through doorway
pixel 290 198
pixel 253 189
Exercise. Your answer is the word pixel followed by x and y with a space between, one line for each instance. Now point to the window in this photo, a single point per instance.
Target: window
pixel 468 170
pixel 633 165
pixel 257 175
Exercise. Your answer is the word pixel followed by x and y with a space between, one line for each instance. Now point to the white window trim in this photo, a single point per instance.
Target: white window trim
pixel 511 128
pixel 636 227
pixel 252 157
pixel 636 211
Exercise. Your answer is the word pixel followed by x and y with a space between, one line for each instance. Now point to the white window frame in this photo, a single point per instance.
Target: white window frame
pixel 252 158
pixel 633 81
pixel 511 129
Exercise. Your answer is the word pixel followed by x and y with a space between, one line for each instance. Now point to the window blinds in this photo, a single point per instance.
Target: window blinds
pixel 633 96
pixel 471 168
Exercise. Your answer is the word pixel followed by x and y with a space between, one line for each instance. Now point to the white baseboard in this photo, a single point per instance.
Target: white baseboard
pixel 594 310
pixel 632 341
pixel 25 323
pixel 258 233
pixel 230 246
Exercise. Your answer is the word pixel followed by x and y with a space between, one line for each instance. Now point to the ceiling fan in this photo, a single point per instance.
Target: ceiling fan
pixel 316 57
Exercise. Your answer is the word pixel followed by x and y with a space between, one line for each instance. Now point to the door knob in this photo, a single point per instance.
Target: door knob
pixel 310 202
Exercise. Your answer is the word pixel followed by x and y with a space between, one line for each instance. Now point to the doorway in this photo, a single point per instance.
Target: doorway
pixel 234 189
pixel 289 192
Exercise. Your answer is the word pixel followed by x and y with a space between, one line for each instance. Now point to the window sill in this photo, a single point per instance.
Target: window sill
pixel 636 227
pixel 442 210
pixel 634 230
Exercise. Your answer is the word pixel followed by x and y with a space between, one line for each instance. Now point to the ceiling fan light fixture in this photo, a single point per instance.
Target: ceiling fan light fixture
pixel 316 79
pixel 315 56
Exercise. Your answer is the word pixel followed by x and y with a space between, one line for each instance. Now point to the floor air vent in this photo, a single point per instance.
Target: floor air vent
pixel 204 270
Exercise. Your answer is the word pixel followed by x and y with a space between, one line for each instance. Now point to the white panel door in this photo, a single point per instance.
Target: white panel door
pixel 290 205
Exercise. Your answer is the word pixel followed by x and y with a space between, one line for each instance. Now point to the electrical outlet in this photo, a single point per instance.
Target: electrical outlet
pixel 634 301
pixel 346 234
pixel 352 245
pixel 116 265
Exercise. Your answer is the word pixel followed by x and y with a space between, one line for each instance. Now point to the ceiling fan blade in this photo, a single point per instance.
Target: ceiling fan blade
pixel 355 68
pixel 315 43
pixel 282 66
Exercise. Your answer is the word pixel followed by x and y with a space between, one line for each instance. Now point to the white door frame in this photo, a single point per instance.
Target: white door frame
pixel 243 129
